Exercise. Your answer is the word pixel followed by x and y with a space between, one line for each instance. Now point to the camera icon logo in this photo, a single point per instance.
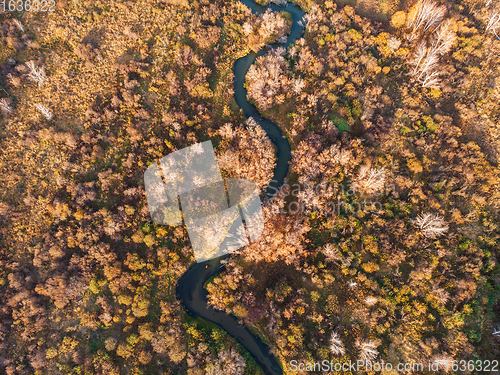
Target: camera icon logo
pixel 187 187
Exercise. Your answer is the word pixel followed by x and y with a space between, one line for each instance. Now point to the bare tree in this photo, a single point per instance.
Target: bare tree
pixel 19 24
pixel 496 332
pixel 4 106
pixel 247 28
pixel 441 294
pixel 44 110
pixel 431 225
pixel 232 362
pixel 370 180
pixel 367 350
pixel 298 85
pixel 427 15
pixel 37 75
pixel 493 23
pixel 425 65
pixel 331 252
pixel 444 38
pixel 371 300
pixel 431 79
pixel 425 60
pixel 444 362
pixel 418 56
pixel 336 345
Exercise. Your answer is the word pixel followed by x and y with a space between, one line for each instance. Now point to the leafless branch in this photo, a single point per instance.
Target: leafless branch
pixel 444 38
pixel 44 110
pixel 4 106
pixel 427 15
pixel 425 65
pixel 336 345
pixel 37 75
pixel 493 24
pixel 431 225
pixel 19 24
pixel 367 350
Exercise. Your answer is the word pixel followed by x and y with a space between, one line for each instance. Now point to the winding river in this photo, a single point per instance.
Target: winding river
pixel 190 286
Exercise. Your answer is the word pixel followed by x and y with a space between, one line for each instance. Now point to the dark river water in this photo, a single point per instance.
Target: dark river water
pixel 190 286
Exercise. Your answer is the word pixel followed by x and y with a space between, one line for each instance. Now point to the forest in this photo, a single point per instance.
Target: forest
pixel 383 243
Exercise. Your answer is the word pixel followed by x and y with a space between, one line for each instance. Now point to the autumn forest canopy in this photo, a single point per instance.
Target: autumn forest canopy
pixel 383 243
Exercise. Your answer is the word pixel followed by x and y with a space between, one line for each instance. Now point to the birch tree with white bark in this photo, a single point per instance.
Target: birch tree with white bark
pixel 493 23
pixel 4 106
pixel 36 74
pixel 336 345
pixel 370 180
pixel 44 110
pixel 431 225
pixel 427 14
pixel 367 350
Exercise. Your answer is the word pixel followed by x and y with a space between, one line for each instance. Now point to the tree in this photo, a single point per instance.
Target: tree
pixel 297 85
pixel 230 363
pixel 4 106
pixel 425 62
pixel 496 332
pixel 370 180
pixel 336 345
pixel 249 153
pixel 367 350
pixel 426 59
pixel 398 19
pixel 19 24
pixel 431 225
pixel 443 38
pixel 425 15
pixel 493 23
pixel 331 252
pixel 37 75
pixel 44 110
pixel 371 300
pixel 444 362
pixel 265 78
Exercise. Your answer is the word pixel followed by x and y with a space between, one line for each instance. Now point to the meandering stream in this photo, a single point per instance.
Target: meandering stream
pixel 190 286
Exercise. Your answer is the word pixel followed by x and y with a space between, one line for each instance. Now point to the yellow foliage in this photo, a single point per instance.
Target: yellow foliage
pixel 435 93
pixel 51 353
pixel 124 299
pixel 240 311
pixel 370 267
pixel 415 166
pixel 398 19
pixel 124 350
pixel 94 287
pixel 402 52
pixel 138 237
pixel 149 240
pixel 79 214
pixel 129 210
